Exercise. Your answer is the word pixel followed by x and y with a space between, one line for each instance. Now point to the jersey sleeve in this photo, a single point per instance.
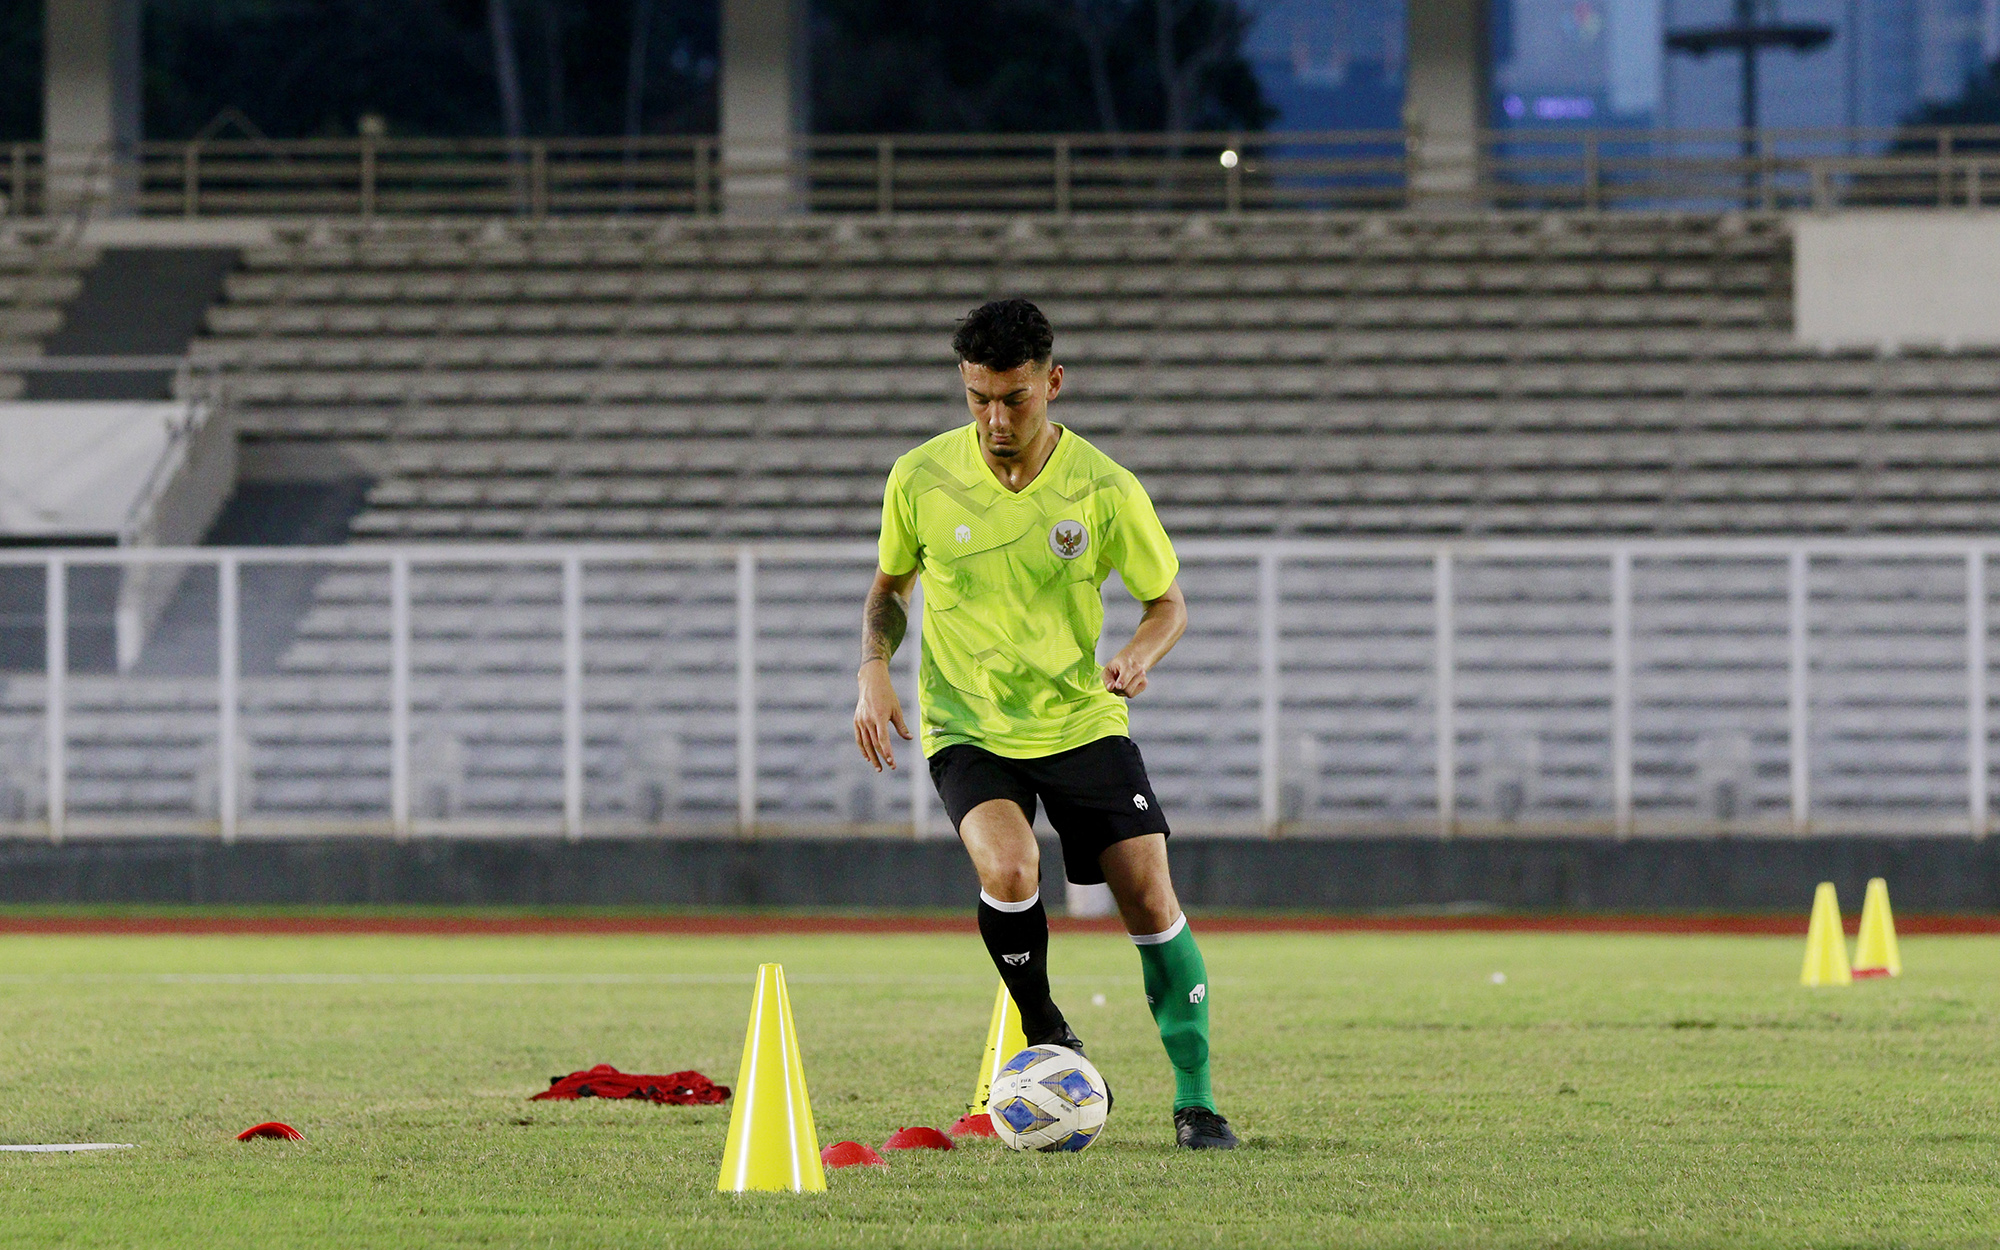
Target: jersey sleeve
pixel 898 548
pixel 1139 547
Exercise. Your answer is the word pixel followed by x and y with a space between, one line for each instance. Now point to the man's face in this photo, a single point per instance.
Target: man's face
pixel 1011 408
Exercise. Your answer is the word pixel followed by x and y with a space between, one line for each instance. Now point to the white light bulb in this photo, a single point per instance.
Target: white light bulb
pixel 1229 158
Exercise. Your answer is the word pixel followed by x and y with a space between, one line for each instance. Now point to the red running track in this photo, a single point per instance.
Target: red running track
pixel 757 924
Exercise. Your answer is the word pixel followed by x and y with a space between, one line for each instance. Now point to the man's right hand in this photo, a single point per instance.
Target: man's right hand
pixel 876 710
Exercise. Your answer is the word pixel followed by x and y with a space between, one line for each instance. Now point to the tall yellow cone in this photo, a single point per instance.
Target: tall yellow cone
pixel 1004 1040
pixel 1826 945
pixel 1875 953
pixel 772 1143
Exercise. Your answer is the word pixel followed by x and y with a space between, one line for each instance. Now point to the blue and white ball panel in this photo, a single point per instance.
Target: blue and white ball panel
pixel 1021 1115
pixel 1032 1056
pixel 1073 1085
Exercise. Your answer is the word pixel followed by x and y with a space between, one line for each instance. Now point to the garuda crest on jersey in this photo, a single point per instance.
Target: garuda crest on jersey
pixel 1069 539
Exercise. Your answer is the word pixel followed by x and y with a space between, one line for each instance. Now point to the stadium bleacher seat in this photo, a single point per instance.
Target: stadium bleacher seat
pixel 795 341
pixel 807 335
pixel 39 273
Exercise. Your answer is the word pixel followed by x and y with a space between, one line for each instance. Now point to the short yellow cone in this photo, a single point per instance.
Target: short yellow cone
pixel 1875 953
pixel 772 1143
pixel 1004 1040
pixel 1826 945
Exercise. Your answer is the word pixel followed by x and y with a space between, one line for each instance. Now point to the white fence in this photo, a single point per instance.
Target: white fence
pixel 1594 687
pixel 1703 170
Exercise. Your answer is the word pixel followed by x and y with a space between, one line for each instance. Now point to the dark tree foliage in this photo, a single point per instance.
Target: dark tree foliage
pixel 20 72
pixel 943 66
pixel 1917 183
pixel 296 68
pixel 314 67
pixel 1977 105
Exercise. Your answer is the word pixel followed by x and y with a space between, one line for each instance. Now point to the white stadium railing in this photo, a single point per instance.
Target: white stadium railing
pixel 1536 168
pixel 1644 687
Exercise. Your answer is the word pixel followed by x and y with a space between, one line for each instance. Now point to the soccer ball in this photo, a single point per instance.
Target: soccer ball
pixel 1048 1098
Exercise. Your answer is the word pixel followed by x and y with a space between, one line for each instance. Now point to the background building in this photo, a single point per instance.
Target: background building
pixel 1330 64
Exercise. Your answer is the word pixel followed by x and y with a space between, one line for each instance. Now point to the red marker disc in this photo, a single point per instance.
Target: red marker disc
pixel 271 1128
pixel 847 1154
pixel 917 1139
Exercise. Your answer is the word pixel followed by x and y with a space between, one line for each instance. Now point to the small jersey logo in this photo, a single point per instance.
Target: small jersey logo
pixel 964 534
pixel 1015 961
pixel 1069 539
pixel 1198 993
pixel 1139 801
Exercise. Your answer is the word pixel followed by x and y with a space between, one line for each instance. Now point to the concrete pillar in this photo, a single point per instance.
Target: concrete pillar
pixel 765 105
pixel 90 103
pixel 1446 90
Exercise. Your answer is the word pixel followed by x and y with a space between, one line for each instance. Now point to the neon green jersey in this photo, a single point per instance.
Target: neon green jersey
pixel 1012 609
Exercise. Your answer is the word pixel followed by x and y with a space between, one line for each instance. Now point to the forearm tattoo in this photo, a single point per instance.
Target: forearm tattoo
pixel 883 623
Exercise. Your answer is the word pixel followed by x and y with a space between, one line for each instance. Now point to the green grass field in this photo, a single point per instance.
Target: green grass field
pixel 1613 1091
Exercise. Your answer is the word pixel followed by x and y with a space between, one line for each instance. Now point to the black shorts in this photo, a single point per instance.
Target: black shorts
pixel 1096 794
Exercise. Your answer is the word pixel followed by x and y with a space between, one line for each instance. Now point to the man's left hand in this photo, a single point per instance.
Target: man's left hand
pixel 1125 675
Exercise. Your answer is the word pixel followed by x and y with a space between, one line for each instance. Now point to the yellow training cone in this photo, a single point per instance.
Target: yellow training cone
pixel 772 1142
pixel 1826 945
pixel 1875 953
pixel 1004 1040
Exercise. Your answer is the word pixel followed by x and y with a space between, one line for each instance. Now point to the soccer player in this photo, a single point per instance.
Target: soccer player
pixel 1014 522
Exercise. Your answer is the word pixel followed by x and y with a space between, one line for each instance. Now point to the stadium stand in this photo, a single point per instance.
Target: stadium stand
pixel 1411 376
pixel 37 277
pixel 1269 375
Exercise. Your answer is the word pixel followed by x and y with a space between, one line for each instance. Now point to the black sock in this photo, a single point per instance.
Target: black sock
pixel 1017 936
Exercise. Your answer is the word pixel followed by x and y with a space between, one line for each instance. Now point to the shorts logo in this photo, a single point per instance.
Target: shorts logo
pixel 964 534
pixel 1069 539
pixel 1199 993
pixel 1015 961
pixel 1139 801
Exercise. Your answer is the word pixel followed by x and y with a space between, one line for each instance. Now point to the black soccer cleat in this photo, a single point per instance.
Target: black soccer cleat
pixel 1198 1128
pixel 1061 1035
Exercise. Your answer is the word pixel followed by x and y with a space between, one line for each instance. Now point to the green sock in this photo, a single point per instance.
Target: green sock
pixel 1177 991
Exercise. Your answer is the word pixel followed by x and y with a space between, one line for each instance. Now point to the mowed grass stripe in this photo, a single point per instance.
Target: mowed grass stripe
pixel 1612 1091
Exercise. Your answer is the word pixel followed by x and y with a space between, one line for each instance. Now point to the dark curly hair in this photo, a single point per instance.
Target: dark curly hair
pixel 1003 335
